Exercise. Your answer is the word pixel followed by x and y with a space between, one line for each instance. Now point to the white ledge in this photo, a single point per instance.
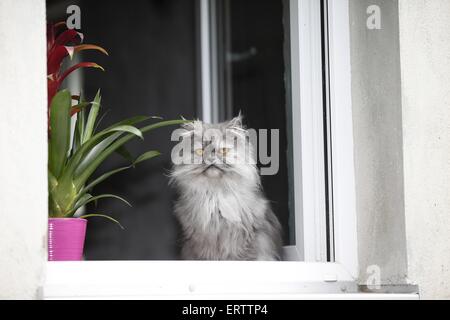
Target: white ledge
pixel 200 280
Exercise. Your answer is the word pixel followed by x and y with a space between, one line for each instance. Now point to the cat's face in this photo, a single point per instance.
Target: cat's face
pixel 216 152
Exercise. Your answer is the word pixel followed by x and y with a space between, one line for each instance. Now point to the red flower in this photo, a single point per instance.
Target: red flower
pixel 63 42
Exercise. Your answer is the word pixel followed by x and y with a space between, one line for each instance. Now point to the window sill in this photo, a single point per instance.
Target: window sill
pixel 202 280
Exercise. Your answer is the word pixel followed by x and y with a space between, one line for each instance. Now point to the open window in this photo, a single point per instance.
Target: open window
pixel 285 65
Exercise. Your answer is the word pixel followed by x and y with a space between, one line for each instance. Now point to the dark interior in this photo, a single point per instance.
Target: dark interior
pixel 152 69
pixel 257 42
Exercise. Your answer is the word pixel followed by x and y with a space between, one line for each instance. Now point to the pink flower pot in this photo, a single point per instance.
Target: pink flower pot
pixel 66 238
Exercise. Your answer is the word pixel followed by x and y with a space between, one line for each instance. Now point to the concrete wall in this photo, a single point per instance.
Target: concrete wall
pixel 425 63
pixel 401 106
pixel 23 167
pixel 377 125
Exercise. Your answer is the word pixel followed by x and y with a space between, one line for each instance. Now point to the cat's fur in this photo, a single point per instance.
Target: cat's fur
pixel 222 210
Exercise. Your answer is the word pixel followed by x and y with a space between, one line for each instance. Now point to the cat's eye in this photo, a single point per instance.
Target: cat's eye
pixel 199 151
pixel 224 151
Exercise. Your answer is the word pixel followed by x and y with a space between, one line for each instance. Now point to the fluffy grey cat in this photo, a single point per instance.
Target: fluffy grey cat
pixel 222 210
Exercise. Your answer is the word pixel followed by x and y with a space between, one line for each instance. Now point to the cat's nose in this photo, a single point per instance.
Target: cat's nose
pixel 210 159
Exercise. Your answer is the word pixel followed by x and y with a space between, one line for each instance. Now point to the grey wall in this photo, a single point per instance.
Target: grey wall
pixel 425 52
pixel 377 122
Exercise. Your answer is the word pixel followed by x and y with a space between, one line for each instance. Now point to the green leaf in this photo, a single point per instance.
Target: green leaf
pixel 129 129
pixel 91 155
pixel 83 177
pixel 124 153
pixel 100 120
pixel 62 198
pixel 79 202
pixel 76 159
pixel 94 152
pixel 90 125
pixel 60 131
pixel 130 121
pixel 75 138
pixel 76 108
pixel 146 156
pixel 80 126
pixel 78 133
pixel 87 198
pixel 103 216
pixel 52 182
pixel 100 179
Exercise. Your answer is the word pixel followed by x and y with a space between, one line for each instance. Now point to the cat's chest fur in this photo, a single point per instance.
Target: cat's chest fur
pixel 220 206
pixel 219 221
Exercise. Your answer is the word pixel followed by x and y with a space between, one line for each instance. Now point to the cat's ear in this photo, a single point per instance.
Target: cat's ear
pixel 192 126
pixel 189 126
pixel 236 122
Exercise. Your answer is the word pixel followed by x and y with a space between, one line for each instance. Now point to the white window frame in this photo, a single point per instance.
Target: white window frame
pixel 288 279
pixel 307 130
pixel 307 104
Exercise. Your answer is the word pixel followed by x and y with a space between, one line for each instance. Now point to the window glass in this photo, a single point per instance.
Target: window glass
pixel 252 41
pixel 153 68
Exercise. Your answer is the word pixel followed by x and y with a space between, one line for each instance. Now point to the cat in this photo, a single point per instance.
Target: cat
pixel 221 208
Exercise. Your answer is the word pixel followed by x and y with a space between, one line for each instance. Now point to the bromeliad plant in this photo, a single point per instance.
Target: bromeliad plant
pixel 74 155
pixel 74 158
